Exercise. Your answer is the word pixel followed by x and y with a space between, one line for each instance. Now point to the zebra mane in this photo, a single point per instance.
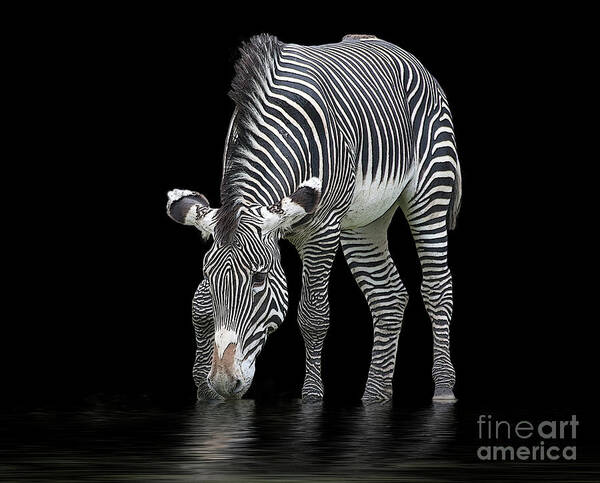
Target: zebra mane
pixel 255 63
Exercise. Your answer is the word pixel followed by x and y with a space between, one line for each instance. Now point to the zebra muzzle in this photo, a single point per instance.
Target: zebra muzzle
pixel 225 376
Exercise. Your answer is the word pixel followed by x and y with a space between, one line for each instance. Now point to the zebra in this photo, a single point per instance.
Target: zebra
pixel 324 144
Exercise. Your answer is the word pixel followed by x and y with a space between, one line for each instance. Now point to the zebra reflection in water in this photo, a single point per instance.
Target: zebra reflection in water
pixel 242 437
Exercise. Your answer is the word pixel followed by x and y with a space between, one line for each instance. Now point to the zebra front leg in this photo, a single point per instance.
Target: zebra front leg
pixel 366 252
pixel 204 327
pixel 313 311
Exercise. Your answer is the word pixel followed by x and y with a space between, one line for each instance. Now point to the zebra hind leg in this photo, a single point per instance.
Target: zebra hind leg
pixel 204 329
pixel 429 229
pixel 431 205
pixel 367 254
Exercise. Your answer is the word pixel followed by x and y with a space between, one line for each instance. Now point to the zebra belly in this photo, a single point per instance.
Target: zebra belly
pixel 371 200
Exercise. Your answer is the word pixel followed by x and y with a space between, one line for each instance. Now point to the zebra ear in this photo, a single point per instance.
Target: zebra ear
pixel 287 211
pixel 191 208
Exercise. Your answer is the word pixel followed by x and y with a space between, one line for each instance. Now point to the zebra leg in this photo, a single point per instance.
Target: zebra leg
pixel 367 254
pixel 204 328
pixel 313 311
pixel 431 238
pixel 430 204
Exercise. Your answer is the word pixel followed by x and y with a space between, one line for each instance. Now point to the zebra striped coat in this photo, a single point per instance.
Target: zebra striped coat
pixel 325 143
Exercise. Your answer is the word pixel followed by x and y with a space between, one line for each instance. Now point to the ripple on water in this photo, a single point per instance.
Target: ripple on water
pixel 255 441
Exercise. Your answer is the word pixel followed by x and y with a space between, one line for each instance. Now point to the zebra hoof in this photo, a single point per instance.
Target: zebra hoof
pixel 444 394
pixel 312 398
pixel 374 398
pixel 370 401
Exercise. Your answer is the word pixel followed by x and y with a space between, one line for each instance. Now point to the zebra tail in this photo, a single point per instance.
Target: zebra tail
pixel 455 199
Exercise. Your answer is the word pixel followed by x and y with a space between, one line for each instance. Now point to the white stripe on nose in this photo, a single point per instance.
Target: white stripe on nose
pixel 224 337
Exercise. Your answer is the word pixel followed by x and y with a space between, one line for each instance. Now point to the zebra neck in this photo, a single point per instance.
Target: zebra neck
pixel 264 184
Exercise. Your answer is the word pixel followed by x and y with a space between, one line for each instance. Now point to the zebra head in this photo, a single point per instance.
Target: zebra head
pixel 247 285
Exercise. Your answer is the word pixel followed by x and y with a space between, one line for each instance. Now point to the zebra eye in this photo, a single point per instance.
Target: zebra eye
pixel 270 329
pixel 258 279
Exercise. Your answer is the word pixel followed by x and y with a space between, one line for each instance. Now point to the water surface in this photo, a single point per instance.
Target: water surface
pixel 252 441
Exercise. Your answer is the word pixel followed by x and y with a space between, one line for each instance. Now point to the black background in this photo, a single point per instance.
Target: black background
pixel 119 107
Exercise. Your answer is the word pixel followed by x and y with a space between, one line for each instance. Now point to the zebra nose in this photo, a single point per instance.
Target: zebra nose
pixel 225 385
pixel 224 376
